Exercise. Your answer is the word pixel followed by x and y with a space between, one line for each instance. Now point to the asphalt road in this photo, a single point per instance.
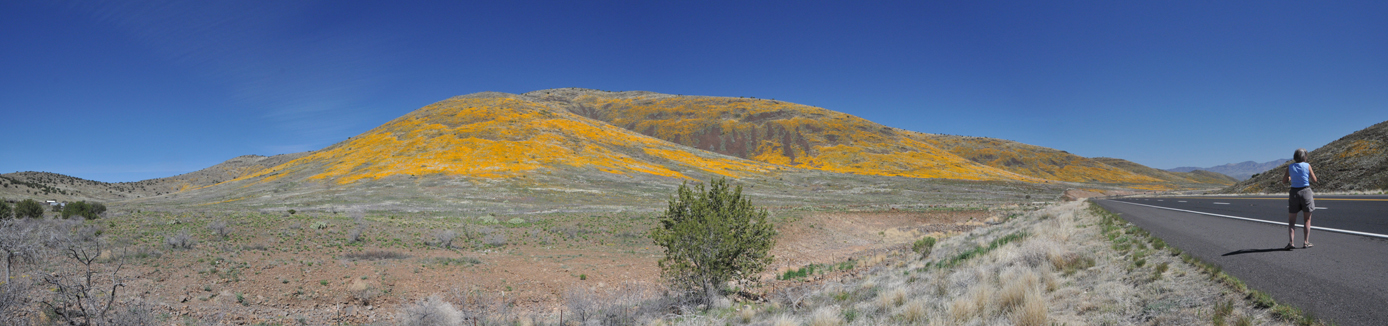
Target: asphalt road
pixel 1343 279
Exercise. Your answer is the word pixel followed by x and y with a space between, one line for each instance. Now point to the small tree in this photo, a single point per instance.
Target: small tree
pixel 712 236
pixel 5 211
pixel 29 208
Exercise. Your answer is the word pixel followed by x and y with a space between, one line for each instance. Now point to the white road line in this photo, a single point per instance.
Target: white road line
pixel 1219 203
pixel 1375 235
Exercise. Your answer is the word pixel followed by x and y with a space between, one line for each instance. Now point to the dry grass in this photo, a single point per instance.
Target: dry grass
pixel 826 316
pixel 1052 266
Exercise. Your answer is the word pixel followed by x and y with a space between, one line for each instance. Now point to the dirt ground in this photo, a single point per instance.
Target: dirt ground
pixel 273 274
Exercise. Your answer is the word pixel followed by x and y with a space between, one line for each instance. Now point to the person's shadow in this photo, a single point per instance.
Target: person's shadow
pixel 1253 251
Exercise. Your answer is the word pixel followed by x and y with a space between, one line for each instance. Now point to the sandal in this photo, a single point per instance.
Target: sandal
pixel 1289 247
pixel 1307 245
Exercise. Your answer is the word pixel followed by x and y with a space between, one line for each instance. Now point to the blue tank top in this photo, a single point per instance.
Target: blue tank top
pixel 1300 173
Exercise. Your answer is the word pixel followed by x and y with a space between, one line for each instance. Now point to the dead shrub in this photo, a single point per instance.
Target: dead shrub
pixel 444 239
pixel 355 235
pixel 219 228
pixel 181 240
pixel 430 311
pixel 496 239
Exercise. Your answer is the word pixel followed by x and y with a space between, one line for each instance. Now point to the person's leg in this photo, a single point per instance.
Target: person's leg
pixel 1291 229
pixel 1306 231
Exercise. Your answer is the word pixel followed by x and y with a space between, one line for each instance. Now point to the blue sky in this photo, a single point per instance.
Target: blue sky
pixel 112 91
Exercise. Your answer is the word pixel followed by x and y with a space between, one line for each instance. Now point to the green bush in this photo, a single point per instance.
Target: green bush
pixel 5 211
pixel 90 211
pixel 28 208
pixel 923 246
pixel 712 236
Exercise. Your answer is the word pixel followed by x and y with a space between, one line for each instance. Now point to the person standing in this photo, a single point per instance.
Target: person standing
pixel 1300 198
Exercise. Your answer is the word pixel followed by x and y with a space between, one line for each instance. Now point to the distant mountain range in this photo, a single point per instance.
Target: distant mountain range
pixel 1355 162
pixel 581 141
pixel 1240 171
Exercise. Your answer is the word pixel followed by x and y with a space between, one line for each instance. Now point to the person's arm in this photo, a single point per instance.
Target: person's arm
pixel 1287 175
pixel 1313 174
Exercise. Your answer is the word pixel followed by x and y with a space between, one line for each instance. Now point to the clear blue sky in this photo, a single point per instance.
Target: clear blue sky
pixel 111 91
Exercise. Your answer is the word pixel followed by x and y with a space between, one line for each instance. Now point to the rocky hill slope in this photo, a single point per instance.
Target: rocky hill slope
pixel 1355 162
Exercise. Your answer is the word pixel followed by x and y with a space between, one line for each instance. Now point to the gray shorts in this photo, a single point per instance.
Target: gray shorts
pixel 1299 199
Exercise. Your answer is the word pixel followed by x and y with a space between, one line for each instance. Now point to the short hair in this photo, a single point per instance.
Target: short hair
pixel 1300 155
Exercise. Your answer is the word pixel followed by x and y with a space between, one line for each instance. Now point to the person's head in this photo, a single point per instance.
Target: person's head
pixel 1300 155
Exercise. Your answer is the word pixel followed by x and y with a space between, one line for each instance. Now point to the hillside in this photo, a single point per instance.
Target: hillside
pixel 587 145
pixel 47 185
pixel 773 132
pixel 1240 171
pixel 1355 162
pixel 496 135
pixel 815 138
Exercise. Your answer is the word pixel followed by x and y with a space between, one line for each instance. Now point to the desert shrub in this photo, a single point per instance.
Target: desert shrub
pixel 374 255
pixel 358 217
pixel 181 240
pixel 923 246
pixel 429 311
pixel 82 208
pixel 5 210
pixel 355 234
pixel 219 228
pixel 363 292
pixel 444 239
pixel 711 236
pixel 28 208
pixel 495 239
pixel 319 225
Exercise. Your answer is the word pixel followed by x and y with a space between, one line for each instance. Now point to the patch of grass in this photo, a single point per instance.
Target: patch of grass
pixel 374 255
pixel 1070 263
pixel 1261 300
pixel 463 261
pixel 803 272
pixel 981 250
pixel 1222 311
